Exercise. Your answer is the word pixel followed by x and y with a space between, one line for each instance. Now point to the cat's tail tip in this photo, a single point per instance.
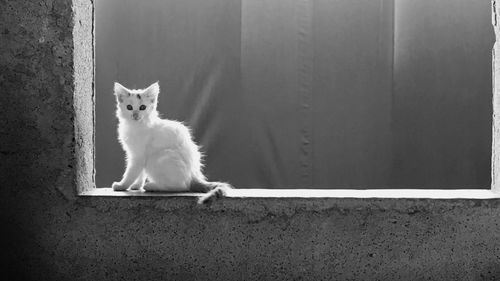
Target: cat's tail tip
pixel 214 190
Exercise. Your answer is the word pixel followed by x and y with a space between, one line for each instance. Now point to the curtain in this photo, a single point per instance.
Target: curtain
pixel 308 93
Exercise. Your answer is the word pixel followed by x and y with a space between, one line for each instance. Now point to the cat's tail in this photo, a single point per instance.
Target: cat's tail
pixel 211 189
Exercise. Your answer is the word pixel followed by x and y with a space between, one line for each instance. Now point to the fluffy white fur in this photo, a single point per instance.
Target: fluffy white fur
pixel 161 155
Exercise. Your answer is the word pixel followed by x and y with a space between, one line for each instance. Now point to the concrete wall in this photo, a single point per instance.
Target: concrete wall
pixel 49 233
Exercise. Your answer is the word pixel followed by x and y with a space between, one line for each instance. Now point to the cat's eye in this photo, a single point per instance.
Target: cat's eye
pixel 129 107
pixel 142 107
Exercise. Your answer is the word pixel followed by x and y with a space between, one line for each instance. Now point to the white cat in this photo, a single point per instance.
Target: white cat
pixel 158 150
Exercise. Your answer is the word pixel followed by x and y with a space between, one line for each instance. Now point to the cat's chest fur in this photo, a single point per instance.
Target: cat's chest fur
pixel 139 139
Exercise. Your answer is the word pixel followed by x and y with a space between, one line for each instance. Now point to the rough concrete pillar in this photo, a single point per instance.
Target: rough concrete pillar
pixel 46 96
pixel 495 153
pixel 83 99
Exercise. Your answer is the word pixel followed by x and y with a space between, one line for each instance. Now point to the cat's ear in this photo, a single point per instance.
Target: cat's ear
pixel 121 92
pixel 152 91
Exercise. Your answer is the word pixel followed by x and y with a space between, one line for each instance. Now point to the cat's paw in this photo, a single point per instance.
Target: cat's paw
pixel 118 187
pixel 135 186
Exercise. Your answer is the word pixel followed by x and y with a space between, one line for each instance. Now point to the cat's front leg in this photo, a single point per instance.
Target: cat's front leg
pixel 135 166
pixel 139 182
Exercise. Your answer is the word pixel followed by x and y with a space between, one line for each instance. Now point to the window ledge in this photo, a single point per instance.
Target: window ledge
pixel 320 193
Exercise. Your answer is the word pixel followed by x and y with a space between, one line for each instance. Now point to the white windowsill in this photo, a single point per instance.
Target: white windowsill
pixel 321 193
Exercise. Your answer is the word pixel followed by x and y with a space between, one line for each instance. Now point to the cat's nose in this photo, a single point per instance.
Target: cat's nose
pixel 135 115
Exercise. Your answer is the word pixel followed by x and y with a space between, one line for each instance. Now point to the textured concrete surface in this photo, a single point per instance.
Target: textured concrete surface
pixel 83 38
pixel 49 233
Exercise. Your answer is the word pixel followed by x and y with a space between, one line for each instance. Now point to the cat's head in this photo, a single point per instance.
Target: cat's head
pixel 135 105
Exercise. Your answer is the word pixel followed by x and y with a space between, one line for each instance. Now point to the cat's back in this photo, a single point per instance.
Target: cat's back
pixel 169 132
pixel 166 125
